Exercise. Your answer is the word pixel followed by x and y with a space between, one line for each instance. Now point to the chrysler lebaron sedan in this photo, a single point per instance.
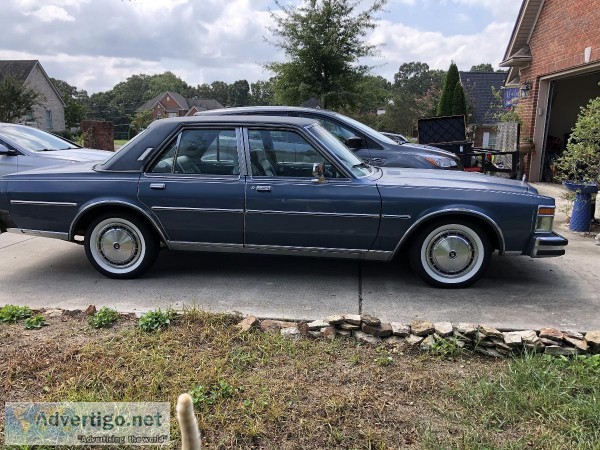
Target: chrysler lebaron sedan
pixel 276 185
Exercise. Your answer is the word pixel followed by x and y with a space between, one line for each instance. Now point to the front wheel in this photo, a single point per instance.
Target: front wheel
pixel 120 246
pixel 451 254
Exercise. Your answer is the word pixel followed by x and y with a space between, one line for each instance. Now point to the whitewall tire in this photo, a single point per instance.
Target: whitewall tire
pixel 120 246
pixel 451 254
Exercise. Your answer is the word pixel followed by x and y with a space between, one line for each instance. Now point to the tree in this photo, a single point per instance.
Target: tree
pixel 417 79
pixel 141 120
pixel 459 102
pixel 483 67
pixel 323 41
pixel 16 99
pixel 239 93
pixel 76 102
pixel 447 99
pixel 262 93
pixel 220 92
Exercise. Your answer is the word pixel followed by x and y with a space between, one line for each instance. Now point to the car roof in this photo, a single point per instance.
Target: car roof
pixel 266 110
pixel 238 120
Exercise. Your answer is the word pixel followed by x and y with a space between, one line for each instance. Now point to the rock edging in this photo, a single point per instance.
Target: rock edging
pixel 428 336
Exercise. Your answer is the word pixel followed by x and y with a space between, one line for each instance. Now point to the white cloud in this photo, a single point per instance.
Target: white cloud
pixel 50 13
pixel 402 44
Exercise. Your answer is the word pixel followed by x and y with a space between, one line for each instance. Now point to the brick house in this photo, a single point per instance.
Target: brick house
pixel 553 58
pixel 482 104
pixel 50 115
pixel 172 104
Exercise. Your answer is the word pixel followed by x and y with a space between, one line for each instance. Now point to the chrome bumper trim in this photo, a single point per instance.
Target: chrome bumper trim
pixel 38 203
pixel 549 246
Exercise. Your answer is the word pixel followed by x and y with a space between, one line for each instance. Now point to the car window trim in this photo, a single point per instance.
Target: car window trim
pixel 318 146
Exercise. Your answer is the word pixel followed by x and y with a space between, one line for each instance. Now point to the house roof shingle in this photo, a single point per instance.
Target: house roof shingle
pixel 186 104
pixel 478 88
pixel 19 69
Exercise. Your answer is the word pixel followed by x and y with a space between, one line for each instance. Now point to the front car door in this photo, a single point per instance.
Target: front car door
pixel 195 189
pixel 289 205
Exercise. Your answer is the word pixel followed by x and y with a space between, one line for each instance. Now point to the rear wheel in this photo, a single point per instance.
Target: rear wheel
pixel 451 254
pixel 121 246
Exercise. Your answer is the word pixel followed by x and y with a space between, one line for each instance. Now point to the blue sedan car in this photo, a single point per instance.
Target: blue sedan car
pixel 276 185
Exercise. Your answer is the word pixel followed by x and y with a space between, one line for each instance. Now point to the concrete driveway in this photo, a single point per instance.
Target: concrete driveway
pixel 517 292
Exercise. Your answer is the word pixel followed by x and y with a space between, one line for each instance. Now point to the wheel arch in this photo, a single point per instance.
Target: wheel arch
pixel 489 226
pixel 93 210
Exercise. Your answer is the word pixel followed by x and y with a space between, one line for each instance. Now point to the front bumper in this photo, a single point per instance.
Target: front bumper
pixel 548 245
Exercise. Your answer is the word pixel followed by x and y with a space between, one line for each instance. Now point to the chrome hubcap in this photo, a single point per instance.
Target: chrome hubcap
pixel 118 245
pixel 451 253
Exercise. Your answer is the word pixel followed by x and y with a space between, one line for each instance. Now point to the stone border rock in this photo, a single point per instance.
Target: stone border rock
pixel 428 336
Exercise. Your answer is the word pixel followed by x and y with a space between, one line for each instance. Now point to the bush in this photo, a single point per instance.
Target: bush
pixel 12 314
pixel 104 318
pixel 156 320
pixel 35 322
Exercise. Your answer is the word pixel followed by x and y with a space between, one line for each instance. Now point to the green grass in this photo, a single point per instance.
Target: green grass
pixel 121 142
pixel 537 402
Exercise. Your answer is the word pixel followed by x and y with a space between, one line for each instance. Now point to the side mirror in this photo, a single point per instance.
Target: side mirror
pixel 5 151
pixel 354 143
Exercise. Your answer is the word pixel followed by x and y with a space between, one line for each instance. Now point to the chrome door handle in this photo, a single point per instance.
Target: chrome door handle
pixel 157 185
pixel 263 188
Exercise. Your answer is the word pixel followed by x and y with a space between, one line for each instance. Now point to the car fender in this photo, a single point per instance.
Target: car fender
pixel 453 210
pixel 100 203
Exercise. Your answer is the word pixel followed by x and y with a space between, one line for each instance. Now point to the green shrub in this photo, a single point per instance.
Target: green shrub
pixel 581 159
pixel 35 322
pixel 12 314
pixel 156 320
pixel 104 318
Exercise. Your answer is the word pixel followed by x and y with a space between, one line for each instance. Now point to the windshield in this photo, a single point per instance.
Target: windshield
pixel 367 130
pixel 34 140
pixel 352 163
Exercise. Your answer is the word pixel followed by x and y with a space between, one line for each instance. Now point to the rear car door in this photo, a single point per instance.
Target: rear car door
pixel 195 189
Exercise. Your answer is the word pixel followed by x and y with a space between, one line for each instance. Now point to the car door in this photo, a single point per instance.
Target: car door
pixel 195 189
pixel 289 206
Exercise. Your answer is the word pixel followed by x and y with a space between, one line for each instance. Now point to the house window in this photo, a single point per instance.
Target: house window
pixel 49 120
pixel 168 98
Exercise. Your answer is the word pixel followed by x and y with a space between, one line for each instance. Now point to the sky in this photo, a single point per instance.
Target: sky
pixel 95 44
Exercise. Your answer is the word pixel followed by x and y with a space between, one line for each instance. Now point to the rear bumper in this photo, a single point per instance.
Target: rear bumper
pixel 548 246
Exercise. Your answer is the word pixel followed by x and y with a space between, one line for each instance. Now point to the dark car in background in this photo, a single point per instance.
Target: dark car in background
pixel 275 185
pixel 24 148
pixel 368 144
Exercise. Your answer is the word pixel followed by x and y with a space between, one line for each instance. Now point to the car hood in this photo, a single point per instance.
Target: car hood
pixel 76 155
pixel 451 180
pixel 424 150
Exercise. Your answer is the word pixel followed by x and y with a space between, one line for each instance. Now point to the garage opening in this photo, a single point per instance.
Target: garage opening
pixel 566 97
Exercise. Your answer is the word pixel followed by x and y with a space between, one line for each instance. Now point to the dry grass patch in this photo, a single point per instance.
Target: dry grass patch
pixel 255 390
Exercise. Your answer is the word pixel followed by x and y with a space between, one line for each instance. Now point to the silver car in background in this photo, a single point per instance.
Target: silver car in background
pixel 25 148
